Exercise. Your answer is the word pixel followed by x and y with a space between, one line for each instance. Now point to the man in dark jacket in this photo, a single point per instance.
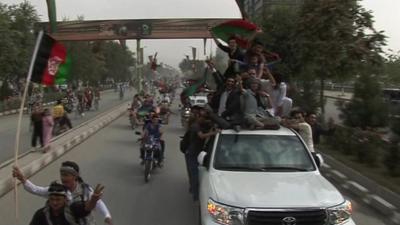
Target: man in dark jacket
pixel 228 102
pixel 235 54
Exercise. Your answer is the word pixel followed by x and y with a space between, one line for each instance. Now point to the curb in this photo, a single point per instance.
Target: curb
pixel 91 128
pixel 379 198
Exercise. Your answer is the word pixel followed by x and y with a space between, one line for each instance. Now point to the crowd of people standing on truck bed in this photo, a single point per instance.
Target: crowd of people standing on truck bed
pixel 250 94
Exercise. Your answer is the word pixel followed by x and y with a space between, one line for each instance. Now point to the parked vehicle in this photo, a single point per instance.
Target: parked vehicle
pixel 250 177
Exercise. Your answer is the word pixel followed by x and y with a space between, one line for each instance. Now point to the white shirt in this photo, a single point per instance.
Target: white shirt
pixel 305 132
pixel 222 102
pixel 44 192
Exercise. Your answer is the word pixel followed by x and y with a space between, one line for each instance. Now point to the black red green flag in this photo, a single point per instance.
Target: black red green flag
pixel 51 65
pixel 242 30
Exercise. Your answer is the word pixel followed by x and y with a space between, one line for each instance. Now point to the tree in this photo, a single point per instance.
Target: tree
pixel 23 19
pixel 280 24
pixel 392 69
pixel 86 66
pixel 367 108
pixel 17 38
pixel 118 60
pixel 8 50
pixel 336 39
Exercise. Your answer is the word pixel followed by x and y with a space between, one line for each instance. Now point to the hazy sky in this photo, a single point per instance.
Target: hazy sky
pixel 386 14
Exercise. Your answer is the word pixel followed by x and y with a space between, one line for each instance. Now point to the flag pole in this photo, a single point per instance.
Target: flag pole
pixel 21 111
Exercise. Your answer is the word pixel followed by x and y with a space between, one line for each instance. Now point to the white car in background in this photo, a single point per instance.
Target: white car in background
pixel 198 100
pixel 266 177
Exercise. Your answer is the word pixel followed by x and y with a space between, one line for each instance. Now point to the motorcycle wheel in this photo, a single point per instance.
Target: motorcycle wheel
pixel 147 169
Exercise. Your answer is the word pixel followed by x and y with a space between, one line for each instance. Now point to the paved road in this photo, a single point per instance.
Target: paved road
pixel 111 157
pixel 8 126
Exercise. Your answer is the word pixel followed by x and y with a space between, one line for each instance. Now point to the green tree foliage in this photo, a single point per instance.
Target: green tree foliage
pixel 118 60
pixel 94 62
pixel 367 107
pixel 85 66
pixel 325 39
pixel 24 17
pixel 279 25
pixel 8 50
pixel 392 69
pixel 17 38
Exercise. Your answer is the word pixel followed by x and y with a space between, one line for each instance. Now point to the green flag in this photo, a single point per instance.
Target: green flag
pixel 191 90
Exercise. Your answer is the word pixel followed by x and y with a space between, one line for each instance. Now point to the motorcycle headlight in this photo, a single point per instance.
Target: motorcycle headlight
pixel 340 214
pixel 226 215
pixel 147 146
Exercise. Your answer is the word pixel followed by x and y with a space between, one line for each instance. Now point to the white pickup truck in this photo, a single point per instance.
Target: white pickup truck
pixel 266 177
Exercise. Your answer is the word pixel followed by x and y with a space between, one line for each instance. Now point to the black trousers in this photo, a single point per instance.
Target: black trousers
pixel 37 133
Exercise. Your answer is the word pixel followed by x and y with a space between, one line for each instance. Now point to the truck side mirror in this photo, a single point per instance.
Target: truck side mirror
pixel 203 159
pixel 319 160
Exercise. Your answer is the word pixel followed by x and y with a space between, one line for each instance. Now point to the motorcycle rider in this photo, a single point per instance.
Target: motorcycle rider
pixel 81 102
pixel 60 116
pixel 144 108
pixel 154 130
pixel 164 110
pixel 89 98
pixel 135 106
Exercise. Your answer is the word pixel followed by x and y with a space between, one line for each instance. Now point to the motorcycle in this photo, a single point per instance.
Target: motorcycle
pixel 60 126
pixel 68 104
pixel 152 153
pixel 185 116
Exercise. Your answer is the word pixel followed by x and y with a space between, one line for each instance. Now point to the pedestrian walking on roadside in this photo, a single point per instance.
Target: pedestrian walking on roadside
pixel 48 124
pixel 36 119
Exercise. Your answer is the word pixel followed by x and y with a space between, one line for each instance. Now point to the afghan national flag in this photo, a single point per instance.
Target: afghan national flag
pixel 51 62
pixel 242 30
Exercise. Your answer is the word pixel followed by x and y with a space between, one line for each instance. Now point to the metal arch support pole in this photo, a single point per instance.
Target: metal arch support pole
pixel 138 62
